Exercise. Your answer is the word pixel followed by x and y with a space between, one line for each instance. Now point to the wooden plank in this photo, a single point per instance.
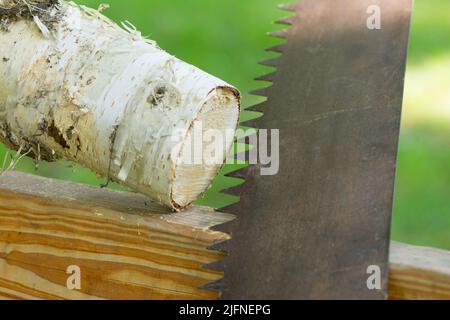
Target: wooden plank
pixel 418 273
pixel 129 248
pixel 125 246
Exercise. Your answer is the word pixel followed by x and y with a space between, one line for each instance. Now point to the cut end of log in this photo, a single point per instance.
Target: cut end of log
pixel 207 143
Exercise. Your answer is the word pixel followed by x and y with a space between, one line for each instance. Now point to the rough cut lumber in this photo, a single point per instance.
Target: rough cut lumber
pixel 419 273
pixel 75 85
pixel 125 246
pixel 130 248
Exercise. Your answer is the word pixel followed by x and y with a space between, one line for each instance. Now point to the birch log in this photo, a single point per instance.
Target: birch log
pixel 74 85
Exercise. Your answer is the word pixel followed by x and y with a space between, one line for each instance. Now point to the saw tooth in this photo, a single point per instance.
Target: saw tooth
pixel 233 182
pixel 236 191
pixel 259 107
pixel 263 92
pixel 267 77
pixel 235 168
pixel 215 286
pixel 250 115
pixel 216 265
pixel 288 6
pixel 273 62
pixel 248 123
pixel 278 48
pixel 220 246
pixel 279 34
pixel 237 175
pixel 286 21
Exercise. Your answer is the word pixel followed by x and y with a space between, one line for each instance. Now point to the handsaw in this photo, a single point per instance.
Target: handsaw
pixel 314 230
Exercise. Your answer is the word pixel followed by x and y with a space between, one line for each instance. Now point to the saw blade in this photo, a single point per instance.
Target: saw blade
pixel 320 228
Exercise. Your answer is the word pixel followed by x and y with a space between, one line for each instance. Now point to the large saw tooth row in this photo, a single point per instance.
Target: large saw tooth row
pixel 239 175
pixel 258 109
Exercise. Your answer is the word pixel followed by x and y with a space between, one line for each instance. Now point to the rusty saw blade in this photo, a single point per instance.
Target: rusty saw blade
pixel 321 226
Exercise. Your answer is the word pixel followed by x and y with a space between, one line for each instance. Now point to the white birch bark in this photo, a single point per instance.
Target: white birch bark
pixel 87 91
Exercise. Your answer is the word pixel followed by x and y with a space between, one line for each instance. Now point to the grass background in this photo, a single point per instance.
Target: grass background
pixel 227 38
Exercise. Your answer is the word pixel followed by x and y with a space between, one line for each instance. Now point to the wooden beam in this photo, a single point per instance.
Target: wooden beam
pixel 419 273
pixel 125 246
pixel 129 248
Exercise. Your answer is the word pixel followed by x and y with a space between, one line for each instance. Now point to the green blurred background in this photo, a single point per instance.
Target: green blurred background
pixel 227 38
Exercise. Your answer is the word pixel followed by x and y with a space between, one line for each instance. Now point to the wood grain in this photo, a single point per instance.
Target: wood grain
pixel 126 246
pixel 129 248
pixel 419 273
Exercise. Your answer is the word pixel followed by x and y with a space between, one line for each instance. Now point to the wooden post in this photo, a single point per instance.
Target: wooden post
pixel 120 245
pixel 419 273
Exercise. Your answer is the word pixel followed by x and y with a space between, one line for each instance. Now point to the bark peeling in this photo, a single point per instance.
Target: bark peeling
pixel 45 11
